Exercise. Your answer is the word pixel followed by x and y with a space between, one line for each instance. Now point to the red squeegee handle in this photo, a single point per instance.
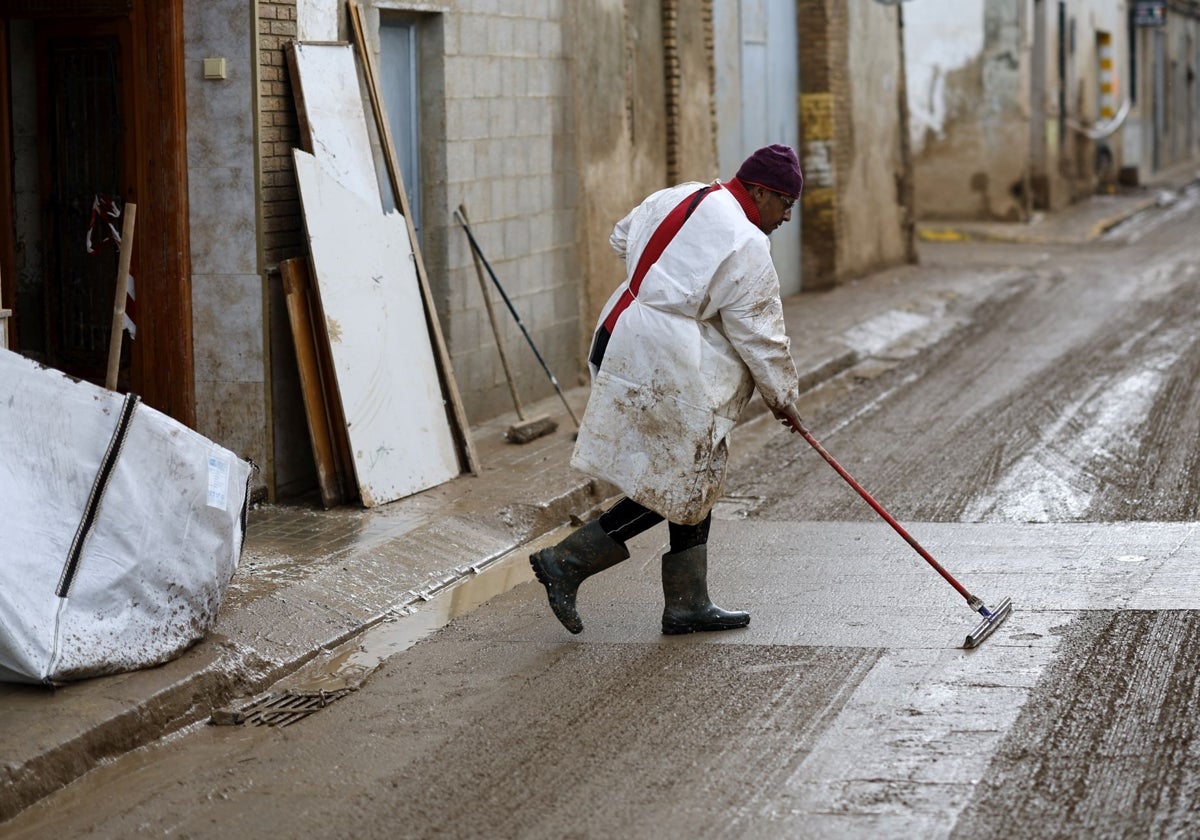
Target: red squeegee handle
pixel 887 517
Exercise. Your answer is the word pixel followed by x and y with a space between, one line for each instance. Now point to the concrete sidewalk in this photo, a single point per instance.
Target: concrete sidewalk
pixel 311 579
pixel 1078 224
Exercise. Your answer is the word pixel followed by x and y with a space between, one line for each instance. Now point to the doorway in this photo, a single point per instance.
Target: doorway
pixel 401 96
pixel 758 84
pixel 94 106
pixel 72 149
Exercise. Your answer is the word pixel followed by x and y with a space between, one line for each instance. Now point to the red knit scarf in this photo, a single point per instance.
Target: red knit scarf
pixel 739 191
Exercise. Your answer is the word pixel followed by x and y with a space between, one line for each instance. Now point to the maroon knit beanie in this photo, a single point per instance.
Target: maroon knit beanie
pixel 774 167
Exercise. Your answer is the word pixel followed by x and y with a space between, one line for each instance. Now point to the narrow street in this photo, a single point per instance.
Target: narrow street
pixel 1073 401
pixel 1048 452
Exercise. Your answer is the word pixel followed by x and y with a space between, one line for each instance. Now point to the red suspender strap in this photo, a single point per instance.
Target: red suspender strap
pixel 658 243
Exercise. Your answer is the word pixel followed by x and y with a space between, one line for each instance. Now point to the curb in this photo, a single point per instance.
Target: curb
pixel 978 232
pixel 238 661
pixel 268 637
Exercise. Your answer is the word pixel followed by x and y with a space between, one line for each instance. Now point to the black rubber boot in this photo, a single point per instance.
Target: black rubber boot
pixel 561 568
pixel 685 587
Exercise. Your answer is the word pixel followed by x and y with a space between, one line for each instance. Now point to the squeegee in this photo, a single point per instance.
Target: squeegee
pixel 992 617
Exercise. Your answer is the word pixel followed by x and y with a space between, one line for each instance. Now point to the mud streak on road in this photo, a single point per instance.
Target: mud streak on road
pixel 639 725
pixel 1108 745
pixel 1070 401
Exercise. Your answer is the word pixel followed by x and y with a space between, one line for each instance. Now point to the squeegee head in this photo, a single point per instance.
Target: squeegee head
pixel 992 618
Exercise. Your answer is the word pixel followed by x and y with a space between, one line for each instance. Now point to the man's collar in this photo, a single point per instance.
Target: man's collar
pixel 739 191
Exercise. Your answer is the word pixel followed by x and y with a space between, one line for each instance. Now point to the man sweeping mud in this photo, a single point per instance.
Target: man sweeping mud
pixel 680 347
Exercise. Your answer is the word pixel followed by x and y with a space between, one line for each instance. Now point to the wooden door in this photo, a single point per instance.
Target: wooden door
pixel 86 140
pixel 107 80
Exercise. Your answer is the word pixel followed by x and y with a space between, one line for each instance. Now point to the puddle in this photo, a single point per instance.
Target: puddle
pixel 736 507
pixel 347 666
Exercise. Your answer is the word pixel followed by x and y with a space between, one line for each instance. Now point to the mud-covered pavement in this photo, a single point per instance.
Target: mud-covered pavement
pixel 1046 451
pixel 1072 399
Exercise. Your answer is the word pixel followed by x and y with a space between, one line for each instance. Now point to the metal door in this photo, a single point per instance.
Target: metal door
pixel 398 80
pixel 758 85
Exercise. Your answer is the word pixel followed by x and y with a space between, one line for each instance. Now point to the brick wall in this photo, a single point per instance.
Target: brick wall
pixel 825 134
pixel 279 133
pixel 854 211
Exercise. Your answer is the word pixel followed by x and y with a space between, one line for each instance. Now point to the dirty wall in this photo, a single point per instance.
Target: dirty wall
pixel 1163 128
pixel 229 355
pixel 855 208
pixel 871 195
pixel 622 123
pixel 1014 103
pixel 968 113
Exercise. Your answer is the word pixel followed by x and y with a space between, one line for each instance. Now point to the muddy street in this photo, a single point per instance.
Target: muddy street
pixel 1045 450
pixel 1073 399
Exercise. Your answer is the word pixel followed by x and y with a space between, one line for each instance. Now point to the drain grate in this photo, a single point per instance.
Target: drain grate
pixel 279 708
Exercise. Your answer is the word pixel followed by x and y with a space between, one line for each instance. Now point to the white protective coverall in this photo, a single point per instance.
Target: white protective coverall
pixel 683 359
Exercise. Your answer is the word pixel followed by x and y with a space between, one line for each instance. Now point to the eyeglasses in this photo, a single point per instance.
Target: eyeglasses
pixel 788 203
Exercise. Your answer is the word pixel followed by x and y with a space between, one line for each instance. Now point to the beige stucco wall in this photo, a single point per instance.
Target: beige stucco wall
pixel 619 112
pixel 969 107
pixel 697 132
pixel 1180 138
pixel 619 93
pixel 972 103
pixel 872 229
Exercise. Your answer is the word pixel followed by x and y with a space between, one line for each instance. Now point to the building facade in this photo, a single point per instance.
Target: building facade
pixel 1019 106
pixel 546 120
pixel 1163 55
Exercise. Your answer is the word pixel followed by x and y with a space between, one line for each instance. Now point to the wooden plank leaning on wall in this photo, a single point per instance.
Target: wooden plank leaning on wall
pixel 460 426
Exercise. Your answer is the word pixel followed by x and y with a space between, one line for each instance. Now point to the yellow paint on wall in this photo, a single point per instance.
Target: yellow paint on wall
pixel 820 208
pixel 941 235
pixel 816 115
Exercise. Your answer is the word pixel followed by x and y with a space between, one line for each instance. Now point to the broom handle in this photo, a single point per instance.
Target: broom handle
pixel 491 311
pixel 887 517
pixel 479 251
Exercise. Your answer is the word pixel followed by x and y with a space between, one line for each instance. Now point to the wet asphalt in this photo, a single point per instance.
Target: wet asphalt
pixel 1044 450
pixel 846 709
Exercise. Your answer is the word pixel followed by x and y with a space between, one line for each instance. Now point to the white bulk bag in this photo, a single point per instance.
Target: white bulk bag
pixel 120 528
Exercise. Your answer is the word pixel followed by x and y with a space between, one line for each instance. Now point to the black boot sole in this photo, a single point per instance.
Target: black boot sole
pixel 572 623
pixel 695 627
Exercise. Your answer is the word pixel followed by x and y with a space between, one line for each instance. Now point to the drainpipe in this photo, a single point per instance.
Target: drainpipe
pixel 1035 101
pixel 907 193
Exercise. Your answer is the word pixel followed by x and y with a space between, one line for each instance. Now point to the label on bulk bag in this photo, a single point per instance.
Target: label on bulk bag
pixel 218 482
